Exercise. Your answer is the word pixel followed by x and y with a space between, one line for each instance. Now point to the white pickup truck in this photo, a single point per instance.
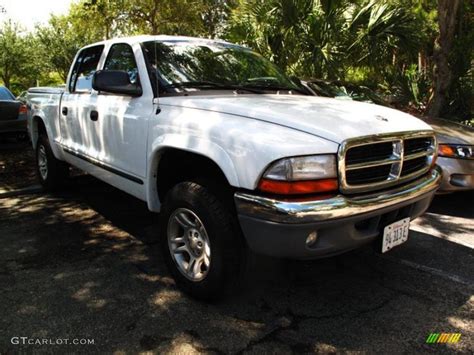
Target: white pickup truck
pixel 233 154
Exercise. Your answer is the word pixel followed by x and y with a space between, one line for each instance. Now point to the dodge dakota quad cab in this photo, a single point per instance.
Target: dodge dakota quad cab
pixel 235 156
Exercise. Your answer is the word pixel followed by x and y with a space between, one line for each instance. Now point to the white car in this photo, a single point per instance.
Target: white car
pixel 233 155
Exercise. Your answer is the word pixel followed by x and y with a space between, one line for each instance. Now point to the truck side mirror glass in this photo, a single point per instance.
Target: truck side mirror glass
pixel 115 82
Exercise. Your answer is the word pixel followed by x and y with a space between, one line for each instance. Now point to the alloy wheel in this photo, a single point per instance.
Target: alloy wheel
pixel 189 244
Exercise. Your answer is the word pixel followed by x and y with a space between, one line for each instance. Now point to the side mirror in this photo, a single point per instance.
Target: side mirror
pixel 115 82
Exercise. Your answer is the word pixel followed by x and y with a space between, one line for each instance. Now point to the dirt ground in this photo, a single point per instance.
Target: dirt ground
pixel 83 264
pixel 16 165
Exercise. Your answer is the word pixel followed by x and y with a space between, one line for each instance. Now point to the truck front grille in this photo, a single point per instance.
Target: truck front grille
pixel 362 154
pixel 376 162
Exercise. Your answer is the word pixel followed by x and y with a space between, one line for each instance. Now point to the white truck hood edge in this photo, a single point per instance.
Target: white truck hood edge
pixel 332 119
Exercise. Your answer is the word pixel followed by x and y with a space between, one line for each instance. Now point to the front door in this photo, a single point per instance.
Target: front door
pixel 120 137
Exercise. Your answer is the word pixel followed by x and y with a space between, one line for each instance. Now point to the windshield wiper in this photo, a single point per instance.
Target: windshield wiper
pixel 276 88
pixel 212 85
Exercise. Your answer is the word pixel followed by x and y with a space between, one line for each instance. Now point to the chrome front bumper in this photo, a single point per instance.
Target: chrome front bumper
pixel 332 208
pixel 280 228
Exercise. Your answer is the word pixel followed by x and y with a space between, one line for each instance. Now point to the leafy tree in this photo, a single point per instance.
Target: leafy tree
pixel 107 17
pixel 449 19
pixel 179 17
pixel 381 31
pixel 62 38
pixel 13 52
pixel 412 49
pixel 215 15
pixel 271 27
pixel 324 40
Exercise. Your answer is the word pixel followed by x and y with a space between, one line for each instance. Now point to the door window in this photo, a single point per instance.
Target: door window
pixel 121 57
pixel 84 69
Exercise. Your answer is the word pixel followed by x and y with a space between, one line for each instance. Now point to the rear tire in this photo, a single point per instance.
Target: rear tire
pixel 201 242
pixel 51 172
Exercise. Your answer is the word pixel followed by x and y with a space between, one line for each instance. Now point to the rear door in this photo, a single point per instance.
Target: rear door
pixel 78 102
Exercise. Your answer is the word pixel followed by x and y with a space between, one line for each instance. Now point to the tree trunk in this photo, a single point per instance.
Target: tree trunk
pixel 6 81
pixel 6 78
pixel 448 11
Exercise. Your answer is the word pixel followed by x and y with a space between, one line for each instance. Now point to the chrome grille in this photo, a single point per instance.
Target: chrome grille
pixel 376 162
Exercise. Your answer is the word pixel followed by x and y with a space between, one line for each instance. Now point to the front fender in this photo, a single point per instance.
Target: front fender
pixel 190 144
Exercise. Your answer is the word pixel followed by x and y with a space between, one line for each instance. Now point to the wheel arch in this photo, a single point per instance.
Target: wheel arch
pixel 189 151
pixel 37 127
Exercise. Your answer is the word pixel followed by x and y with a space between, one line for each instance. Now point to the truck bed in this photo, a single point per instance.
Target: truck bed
pixel 48 99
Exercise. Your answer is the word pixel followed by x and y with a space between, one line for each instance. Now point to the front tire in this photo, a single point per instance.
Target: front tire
pixel 201 242
pixel 51 172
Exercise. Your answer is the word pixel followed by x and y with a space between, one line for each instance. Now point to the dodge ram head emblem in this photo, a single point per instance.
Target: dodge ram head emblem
pixel 381 118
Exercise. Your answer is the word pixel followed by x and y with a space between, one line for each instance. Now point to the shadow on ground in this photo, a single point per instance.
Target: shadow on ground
pixel 17 167
pixel 459 204
pixel 84 264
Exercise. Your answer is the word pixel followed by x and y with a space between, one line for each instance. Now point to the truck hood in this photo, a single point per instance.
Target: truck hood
pixel 331 119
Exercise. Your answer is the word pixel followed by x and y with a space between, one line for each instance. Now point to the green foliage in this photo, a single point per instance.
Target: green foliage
pixel 387 45
pixel 60 41
pixel 324 38
pixel 17 70
pixel 381 31
pixel 12 52
pixel 461 101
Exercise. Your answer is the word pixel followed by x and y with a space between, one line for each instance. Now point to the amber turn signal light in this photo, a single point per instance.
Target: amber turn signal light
pixel 298 187
pixel 445 150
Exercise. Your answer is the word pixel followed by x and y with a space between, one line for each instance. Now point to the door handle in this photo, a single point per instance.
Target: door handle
pixel 64 111
pixel 94 115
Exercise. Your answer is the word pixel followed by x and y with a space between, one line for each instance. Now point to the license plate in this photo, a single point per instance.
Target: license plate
pixel 395 234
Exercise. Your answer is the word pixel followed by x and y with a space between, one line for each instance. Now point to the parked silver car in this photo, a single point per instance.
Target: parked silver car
pixel 455 154
pixel 12 114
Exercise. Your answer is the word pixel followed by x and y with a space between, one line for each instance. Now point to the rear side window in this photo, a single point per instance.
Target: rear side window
pixel 121 57
pixel 84 68
pixel 5 94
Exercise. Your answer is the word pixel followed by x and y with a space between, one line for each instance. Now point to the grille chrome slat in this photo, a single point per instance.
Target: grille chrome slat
pixel 370 164
pixel 418 155
pixel 377 162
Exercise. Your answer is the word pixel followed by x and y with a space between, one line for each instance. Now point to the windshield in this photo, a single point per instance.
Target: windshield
pixel 210 64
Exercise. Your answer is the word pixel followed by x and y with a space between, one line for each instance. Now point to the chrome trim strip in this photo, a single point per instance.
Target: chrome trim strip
pixel 394 178
pixel 336 207
pixel 424 153
pixel 371 164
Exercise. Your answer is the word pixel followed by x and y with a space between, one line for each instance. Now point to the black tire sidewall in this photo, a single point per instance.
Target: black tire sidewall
pixel 225 241
pixel 57 170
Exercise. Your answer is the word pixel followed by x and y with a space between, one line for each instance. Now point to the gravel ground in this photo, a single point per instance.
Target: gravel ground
pixel 83 264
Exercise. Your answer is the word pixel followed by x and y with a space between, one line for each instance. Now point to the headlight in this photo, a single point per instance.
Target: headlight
pixel 460 151
pixel 301 175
